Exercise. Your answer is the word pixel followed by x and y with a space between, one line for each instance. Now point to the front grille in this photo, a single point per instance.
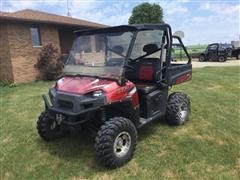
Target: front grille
pixel 65 104
pixel 89 105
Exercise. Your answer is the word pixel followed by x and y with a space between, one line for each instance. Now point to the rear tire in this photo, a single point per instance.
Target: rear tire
pixel 201 58
pixel 116 142
pixel 48 129
pixel 222 59
pixel 238 56
pixel 178 109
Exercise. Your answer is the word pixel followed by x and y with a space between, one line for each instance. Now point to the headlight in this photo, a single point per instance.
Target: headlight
pixel 60 81
pixel 98 93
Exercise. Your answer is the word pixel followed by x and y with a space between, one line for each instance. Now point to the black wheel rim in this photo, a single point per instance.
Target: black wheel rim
pixel 201 59
pixel 221 59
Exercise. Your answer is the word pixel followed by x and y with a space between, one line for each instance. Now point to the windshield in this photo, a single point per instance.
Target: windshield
pixel 144 38
pixel 103 55
pixel 99 54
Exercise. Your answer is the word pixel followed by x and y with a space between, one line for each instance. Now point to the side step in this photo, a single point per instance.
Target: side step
pixel 144 121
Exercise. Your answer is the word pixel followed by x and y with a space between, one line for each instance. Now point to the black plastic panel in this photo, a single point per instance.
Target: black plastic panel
pixel 152 103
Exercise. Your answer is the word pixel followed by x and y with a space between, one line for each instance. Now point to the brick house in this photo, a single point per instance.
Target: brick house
pixel 23 33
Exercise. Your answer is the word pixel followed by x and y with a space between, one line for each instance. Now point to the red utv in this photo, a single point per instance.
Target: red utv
pixel 117 80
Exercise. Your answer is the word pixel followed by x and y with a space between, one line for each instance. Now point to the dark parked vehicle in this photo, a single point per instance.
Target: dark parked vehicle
pixel 214 52
pixel 232 50
pixel 120 85
pixel 228 48
pixel 219 52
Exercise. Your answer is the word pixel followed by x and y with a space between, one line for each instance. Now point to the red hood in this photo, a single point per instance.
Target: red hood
pixel 83 85
pixel 112 91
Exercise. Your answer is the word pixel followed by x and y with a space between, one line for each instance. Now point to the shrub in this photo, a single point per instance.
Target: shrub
pixel 6 83
pixel 50 63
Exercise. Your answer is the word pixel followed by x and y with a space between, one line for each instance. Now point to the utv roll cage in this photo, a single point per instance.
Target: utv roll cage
pixel 135 29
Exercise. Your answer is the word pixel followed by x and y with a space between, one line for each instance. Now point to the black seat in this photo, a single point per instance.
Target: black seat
pixel 146 68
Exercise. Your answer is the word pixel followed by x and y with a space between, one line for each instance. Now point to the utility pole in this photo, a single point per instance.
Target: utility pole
pixel 68 9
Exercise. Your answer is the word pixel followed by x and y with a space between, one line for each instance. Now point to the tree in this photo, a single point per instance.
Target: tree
pixel 146 13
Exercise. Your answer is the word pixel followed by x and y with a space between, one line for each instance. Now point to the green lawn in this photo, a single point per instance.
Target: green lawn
pixel 208 147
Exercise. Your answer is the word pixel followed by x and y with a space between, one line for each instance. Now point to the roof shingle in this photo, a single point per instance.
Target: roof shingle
pixel 29 15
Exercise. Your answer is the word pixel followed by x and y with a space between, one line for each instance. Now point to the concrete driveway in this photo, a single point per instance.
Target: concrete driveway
pixel 197 64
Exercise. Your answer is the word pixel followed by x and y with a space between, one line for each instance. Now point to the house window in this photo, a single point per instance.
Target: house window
pixel 36 40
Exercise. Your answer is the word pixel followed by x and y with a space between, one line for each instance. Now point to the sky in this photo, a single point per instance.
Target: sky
pixel 202 21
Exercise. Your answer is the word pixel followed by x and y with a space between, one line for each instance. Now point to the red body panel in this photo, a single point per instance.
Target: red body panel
pixel 184 78
pixel 112 91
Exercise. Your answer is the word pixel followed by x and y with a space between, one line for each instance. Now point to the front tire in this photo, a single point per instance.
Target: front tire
pixel 222 59
pixel 116 142
pixel 48 129
pixel 201 58
pixel 178 109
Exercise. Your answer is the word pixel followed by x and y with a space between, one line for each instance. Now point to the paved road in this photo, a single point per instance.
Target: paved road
pixel 197 64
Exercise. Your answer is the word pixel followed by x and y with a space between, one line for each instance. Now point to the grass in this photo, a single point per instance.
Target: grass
pixel 208 147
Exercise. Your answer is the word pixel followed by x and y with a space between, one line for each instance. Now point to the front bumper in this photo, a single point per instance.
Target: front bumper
pixel 71 109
